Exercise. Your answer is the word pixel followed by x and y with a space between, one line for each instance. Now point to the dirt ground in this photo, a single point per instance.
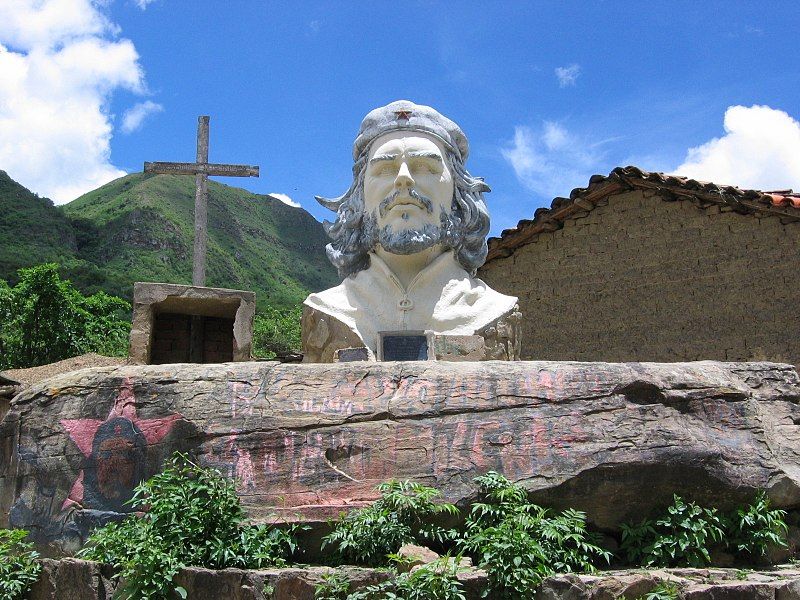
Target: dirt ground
pixel 33 375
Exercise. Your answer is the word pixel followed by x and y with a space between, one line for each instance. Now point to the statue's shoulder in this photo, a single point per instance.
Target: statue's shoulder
pixel 323 334
pixel 332 297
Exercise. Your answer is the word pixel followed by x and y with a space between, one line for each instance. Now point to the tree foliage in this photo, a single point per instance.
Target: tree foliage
pixel 43 319
pixel 18 565
pixel 276 331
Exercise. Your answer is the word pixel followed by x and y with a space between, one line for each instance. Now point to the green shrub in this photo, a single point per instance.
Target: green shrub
pixel 663 591
pixel 276 331
pixel 434 581
pixel 334 586
pixel 682 537
pixel 193 517
pixel 44 319
pixel 685 535
pixel 19 568
pixel 520 543
pixel 403 514
pixel 753 529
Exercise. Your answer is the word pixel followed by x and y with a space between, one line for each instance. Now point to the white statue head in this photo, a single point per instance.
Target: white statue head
pixel 410 191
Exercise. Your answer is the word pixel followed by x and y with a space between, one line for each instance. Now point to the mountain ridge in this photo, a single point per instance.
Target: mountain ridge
pixel 140 227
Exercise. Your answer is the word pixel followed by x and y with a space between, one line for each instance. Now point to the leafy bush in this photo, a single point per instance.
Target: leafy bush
pixel 334 586
pixel 434 581
pixel 276 331
pixel 663 591
pixel 44 319
pixel 687 533
pixel 193 517
pixel 403 514
pixel 519 543
pixel 18 565
pixel 752 529
pixel 681 537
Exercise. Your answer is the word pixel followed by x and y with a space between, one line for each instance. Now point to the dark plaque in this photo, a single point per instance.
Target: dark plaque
pixel 352 354
pixel 405 346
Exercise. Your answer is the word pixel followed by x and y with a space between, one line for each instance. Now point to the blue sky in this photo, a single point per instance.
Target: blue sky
pixel 548 92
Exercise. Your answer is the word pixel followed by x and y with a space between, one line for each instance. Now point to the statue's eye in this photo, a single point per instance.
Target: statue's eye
pixel 383 168
pixel 425 166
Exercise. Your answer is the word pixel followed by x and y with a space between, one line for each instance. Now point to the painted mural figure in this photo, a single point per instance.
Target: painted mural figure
pixel 115 466
pixel 408 238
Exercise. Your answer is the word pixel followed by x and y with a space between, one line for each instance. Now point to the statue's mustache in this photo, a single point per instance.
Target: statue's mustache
pixel 392 200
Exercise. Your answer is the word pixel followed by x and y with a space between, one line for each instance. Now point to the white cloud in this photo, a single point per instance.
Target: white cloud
pixel 552 161
pixel 760 150
pixel 135 116
pixel 567 75
pixel 29 24
pixel 285 199
pixel 143 3
pixel 314 26
pixel 60 63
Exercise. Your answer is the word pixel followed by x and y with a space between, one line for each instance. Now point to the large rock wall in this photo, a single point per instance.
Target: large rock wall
pixel 79 580
pixel 307 441
pixel 642 278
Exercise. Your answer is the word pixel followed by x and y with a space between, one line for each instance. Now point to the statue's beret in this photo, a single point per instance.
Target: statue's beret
pixel 405 115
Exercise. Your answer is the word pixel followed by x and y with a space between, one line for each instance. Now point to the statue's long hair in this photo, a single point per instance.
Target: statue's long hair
pixel 354 233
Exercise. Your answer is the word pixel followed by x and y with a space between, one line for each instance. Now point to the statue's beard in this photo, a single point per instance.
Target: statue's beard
pixel 412 239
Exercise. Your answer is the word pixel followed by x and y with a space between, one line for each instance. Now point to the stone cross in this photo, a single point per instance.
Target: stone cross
pixel 201 170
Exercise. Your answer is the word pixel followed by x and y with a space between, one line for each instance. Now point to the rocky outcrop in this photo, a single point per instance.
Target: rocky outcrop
pixel 308 441
pixel 81 580
pixel 71 579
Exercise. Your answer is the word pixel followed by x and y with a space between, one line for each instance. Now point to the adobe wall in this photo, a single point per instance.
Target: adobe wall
pixel 643 279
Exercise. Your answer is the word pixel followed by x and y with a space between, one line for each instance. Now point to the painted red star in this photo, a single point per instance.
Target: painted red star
pixel 83 431
pixel 403 114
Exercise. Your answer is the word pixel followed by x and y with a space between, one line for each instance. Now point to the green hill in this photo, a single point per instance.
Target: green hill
pixel 32 230
pixel 140 228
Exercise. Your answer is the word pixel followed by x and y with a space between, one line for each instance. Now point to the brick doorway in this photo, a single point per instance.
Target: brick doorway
pixel 181 338
pixel 188 324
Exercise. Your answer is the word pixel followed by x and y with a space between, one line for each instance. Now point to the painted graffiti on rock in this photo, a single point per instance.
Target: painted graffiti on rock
pixel 115 451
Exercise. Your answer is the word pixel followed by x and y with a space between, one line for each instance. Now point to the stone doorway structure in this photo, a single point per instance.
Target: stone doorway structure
pixel 190 324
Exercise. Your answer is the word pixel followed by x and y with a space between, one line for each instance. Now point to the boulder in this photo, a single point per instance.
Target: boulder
pixel 415 556
pixel 305 442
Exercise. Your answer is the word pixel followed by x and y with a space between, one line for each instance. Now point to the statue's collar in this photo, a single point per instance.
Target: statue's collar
pixel 443 266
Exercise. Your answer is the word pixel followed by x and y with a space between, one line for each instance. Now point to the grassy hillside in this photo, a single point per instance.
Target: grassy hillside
pixel 32 230
pixel 140 228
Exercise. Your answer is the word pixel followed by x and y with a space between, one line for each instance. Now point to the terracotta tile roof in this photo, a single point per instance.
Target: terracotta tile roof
pixel 785 203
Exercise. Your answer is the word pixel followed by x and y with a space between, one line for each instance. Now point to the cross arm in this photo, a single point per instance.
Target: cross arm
pixel 175 168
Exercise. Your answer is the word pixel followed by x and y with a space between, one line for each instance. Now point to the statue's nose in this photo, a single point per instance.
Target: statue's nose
pixel 404 179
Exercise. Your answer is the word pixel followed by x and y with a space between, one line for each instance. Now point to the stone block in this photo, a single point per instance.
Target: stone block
pixel 459 347
pixel 169 337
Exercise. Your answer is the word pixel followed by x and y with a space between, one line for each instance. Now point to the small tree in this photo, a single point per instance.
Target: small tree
pixel 276 331
pixel 44 319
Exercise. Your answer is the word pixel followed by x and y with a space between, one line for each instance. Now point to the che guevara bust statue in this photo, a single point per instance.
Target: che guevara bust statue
pixel 408 237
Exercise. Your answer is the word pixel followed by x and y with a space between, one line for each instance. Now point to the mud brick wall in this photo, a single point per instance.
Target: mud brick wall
pixel 171 337
pixel 641 278
pixel 217 340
